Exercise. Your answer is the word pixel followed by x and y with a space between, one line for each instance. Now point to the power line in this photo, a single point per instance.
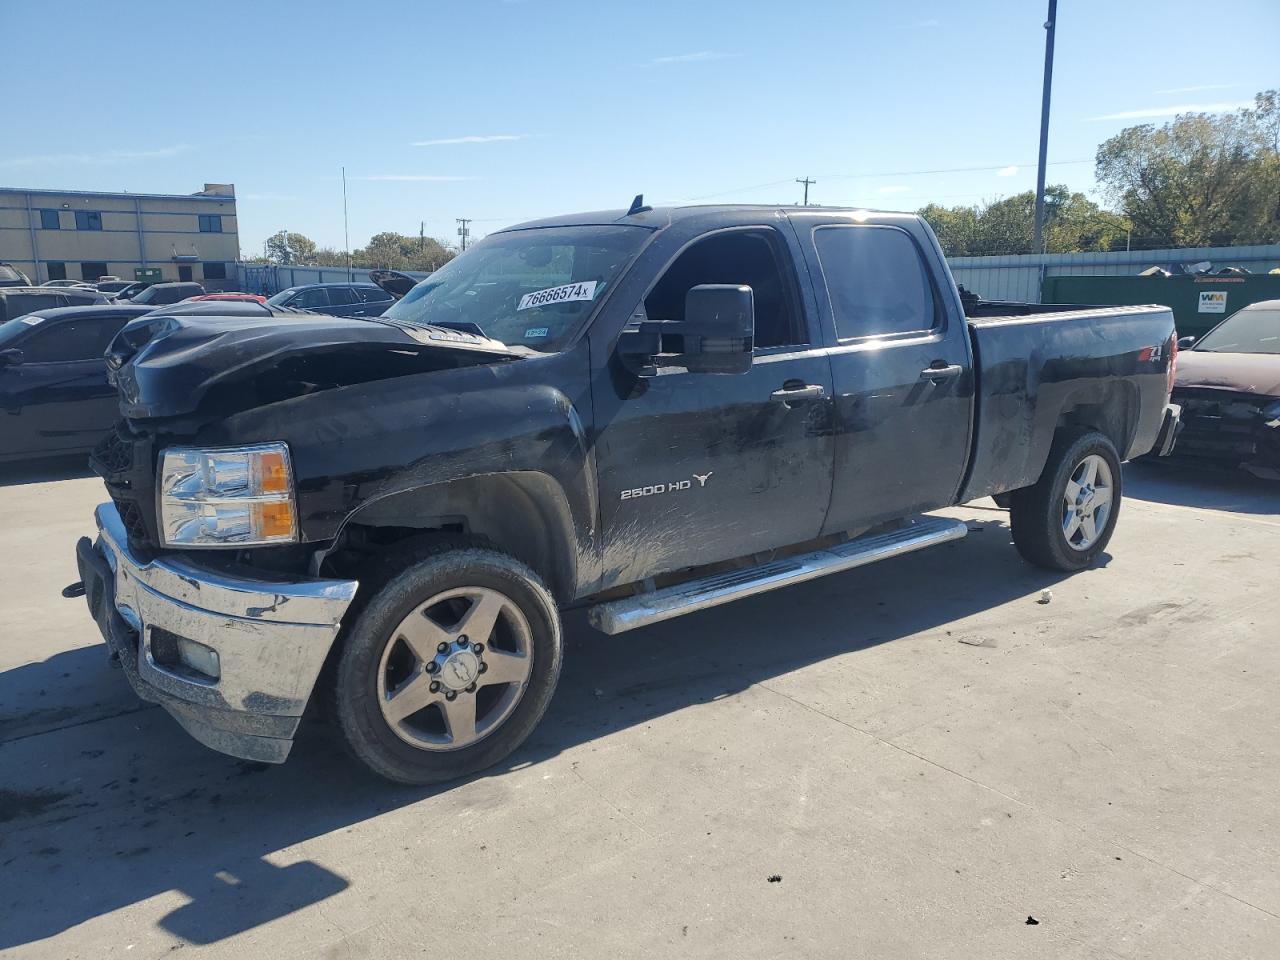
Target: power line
pixel 885 173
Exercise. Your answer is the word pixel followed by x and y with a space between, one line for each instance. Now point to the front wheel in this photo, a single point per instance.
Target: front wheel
pixel 449 666
pixel 1067 518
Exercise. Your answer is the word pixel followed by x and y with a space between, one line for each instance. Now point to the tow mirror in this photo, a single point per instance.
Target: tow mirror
pixel 11 357
pixel 717 334
pixel 1186 343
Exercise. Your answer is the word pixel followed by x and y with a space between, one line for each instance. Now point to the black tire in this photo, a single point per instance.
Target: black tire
pixel 1036 512
pixel 426 571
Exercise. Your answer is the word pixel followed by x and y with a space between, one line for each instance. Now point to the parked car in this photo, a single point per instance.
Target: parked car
pixel 11 276
pixel 644 412
pixel 69 283
pixel 158 294
pixel 336 299
pixel 16 301
pixel 54 394
pixel 112 286
pixel 1229 388
pixel 231 297
pixel 131 290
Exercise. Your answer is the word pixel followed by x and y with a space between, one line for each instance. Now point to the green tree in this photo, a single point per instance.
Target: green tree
pixel 1201 180
pixel 1073 224
pixel 288 248
pixel 397 251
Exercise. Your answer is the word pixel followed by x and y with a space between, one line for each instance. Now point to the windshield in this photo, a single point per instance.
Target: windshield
pixel 530 287
pixel 1247 331
pixel 282 296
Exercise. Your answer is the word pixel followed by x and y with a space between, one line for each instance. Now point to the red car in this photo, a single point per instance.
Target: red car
pixel 228 296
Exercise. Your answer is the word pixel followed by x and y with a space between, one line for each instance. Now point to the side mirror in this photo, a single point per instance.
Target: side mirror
pixel 11 357
pixel 717 334
pixel 1186 343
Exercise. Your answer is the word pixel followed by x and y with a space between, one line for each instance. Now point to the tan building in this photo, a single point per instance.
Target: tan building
pixel 78 235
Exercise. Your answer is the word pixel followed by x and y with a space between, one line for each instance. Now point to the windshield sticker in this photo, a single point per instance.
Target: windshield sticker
pixel 562 294
pixel 29 320
pixel 536 333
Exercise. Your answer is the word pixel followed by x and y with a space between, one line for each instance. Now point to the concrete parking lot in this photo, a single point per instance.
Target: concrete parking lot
pixel 914 759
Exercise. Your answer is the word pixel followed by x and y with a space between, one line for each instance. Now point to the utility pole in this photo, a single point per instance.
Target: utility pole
pixel 807 183
pixel 462 231
pixel 346 234
pixel 1049 25
pixel 422 235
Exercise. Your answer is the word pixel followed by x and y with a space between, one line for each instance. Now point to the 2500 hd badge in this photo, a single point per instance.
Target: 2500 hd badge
pixel 657 488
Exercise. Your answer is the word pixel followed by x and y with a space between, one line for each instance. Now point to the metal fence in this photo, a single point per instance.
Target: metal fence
pixel 1021 277
pixel 267 279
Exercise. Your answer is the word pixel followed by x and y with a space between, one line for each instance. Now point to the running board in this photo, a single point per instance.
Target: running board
pixel 654 606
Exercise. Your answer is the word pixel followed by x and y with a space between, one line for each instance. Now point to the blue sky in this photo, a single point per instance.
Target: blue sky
pixel 503 110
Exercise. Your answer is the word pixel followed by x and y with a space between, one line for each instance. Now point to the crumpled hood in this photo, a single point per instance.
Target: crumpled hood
pixel 173 366
pixel 1256 373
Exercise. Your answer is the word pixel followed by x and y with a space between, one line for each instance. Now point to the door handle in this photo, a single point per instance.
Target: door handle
pixel 807 391
pixel 944 372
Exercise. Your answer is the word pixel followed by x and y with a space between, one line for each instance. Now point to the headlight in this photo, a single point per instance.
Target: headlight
pixel 231 496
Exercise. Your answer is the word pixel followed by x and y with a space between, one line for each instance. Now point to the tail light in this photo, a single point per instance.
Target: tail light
pixel 1173 360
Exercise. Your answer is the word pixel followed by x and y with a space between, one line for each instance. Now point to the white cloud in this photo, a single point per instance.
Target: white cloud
pixel 489 138
pixel 411 178
pixel 1008 171
pixel 894 188
pixel 698 57
pixel 103 157
pixel 1207 86
pixel 1155 112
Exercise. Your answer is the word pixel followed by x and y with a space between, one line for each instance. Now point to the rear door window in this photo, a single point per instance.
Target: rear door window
pixel 876 280
pixel 373 294
pixel 338 296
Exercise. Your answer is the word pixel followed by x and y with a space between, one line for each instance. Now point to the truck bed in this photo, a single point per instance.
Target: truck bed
pixel 1105 368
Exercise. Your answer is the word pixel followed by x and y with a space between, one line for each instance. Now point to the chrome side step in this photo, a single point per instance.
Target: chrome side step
pixel 618 616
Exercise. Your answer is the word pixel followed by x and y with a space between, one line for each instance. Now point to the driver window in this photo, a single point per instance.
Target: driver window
pixel 751 257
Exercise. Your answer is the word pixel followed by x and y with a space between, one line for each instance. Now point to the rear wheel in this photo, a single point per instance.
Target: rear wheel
pixel 1067 518
pixel 449 666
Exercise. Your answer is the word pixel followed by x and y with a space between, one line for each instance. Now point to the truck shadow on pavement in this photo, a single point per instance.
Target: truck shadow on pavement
pixel 45 471
pixel 1209 488
pixel 106 813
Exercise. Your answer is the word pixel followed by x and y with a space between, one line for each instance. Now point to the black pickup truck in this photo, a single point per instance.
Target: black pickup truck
pixel 647 412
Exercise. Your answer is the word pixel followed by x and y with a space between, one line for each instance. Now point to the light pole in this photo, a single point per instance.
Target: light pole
pixel 1049 25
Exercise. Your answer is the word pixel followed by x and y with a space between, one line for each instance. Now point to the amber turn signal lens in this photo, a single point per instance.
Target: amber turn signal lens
pixel 273 472
pixel 273 520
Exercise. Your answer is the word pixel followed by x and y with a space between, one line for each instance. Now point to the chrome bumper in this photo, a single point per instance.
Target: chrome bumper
pixel 270 639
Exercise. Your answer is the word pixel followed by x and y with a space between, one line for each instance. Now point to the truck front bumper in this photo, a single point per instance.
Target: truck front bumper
pixel 233 659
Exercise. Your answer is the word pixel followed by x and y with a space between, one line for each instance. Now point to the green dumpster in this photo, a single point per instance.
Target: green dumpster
pixel 1199 302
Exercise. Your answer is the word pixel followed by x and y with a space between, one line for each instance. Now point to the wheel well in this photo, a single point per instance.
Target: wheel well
pixel 1113 415
pixel 524 514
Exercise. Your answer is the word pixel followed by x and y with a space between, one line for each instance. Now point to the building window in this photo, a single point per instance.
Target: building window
pixel 57 270
pixel 49 220
pixel 184 272
pixel 215 271
pixel 90 272
pixel 88 220
pixel 210 223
